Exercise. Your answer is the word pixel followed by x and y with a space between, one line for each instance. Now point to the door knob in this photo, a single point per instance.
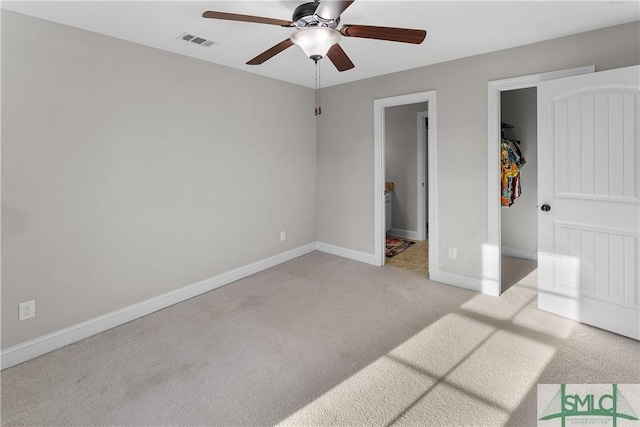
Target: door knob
pixel 545 208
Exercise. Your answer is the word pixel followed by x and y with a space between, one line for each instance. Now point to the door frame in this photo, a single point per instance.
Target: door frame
pixel 422 174
pixel 492 253
pixel 379 106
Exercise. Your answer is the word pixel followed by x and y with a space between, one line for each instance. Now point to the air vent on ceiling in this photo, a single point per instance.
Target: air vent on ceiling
pixel 195 39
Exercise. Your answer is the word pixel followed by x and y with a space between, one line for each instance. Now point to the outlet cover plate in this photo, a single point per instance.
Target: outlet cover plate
pixel 27 310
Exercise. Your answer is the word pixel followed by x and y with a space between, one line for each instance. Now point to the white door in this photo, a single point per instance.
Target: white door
pixel 589 177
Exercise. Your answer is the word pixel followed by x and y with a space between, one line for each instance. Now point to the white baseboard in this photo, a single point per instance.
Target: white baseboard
pixel 476 285
pixel 41 345
pixel 47 343
pixel 346 253
pixel 405 234
pixel 520 253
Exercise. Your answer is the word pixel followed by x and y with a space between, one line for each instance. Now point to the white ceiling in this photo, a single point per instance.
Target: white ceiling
pixel 454 30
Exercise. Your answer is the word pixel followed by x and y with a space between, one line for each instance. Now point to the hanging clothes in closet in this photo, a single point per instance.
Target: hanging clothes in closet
pixel 511 162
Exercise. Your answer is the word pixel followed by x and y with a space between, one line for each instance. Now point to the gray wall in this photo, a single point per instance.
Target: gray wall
pixel 345 138
pixel 401 163
pixel 128 172
pixel 520 221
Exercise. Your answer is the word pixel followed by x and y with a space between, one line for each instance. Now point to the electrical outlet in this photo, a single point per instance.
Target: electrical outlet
pixel 27 310
pixel 453 252
pixel 283 236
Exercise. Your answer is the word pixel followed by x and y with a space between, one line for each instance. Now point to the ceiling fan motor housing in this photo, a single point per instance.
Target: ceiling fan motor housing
pixel 305 16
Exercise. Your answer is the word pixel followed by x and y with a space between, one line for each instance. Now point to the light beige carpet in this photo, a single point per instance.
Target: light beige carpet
pixel 321 341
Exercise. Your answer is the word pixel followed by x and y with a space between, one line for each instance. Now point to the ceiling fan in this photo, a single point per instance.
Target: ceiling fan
pixel 317 32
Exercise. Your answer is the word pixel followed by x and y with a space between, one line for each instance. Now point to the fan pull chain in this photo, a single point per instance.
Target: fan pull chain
pixel 319 88
pixel 318 110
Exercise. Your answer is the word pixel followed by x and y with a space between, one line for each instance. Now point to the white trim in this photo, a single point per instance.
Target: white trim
pixel 346 253
pixel 520 253
pixel 457 280
pixel 494 238
pixel 421 234
pixel 405 234
pixel 41 345
pixel 378 172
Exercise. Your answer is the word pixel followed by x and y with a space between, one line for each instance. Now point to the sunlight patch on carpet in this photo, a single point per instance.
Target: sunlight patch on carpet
pixel 373 396
pixel 464 368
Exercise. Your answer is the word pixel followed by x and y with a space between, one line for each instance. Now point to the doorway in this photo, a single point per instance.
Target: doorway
pixel 492 253
pixel 519 185
pixel 424 164
pixel 406 172
pixel 405 169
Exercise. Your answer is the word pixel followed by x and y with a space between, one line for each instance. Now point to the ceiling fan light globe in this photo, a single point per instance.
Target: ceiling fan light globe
pixel 316 41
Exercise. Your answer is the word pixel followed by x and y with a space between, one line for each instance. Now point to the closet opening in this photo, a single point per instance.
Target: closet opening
pixel 519 185
pixel 492 261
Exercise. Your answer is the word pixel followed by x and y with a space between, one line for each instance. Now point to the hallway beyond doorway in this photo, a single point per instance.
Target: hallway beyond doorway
pixel 414 258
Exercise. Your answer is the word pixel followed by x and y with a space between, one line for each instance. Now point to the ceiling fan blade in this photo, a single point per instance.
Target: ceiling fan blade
pixel 270 53
pixel 339 58
pixel 402 35
pixel 246 18
pixel 331 9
